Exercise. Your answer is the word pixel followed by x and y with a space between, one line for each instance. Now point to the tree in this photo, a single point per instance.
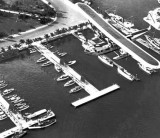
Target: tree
pixel 52 34
pixel 46 36
pixel 9 48
pixel 29 41
pixel 16 45
pixel 22 41
pixel 2 49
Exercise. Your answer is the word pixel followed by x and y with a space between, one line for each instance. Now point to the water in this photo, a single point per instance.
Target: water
pixel 131 112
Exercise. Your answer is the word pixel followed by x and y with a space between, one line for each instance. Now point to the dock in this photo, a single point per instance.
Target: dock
pixel 81 81
pixel 16 117
pixel 95 95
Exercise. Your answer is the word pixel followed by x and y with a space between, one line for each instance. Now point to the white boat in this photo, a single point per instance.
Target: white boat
pixel 75 89
pixel 23 108
pixel 62 54
pixel 2 117
pixel 69 83
pixel 71 62
pixel 2 81
pixel 11 96
pixel 105 60
pixel 7 91
pixel 46 64
pixel 1 112
pixel 125 73
pixel 17 101
pixel 152 41
pixel 57 68
pixel 3 86
pixel 20 104
pixel 41 59
pixel 147 70
pixel 33 51
pixel 63 77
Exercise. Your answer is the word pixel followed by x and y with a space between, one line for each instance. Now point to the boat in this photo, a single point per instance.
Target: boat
pixel 7 91
pixel 17 101
pixel 2 117
pixel 63 77
pixel 2 81
pixel 57 68
pixel 43 124
pixel 75 89
pixel 3 86
pixel 46 64
pixel 11 96
pixel 38 113
pixel 62 54
pixel 106 60
pixel 69 83
pixel 1 112
pixel 20 104
pixel 152 41
pixel 146 69
pixel 71 62
pixel 41 59
pixel 23 108
pixel 19 134
pixel 125 73
pixel 33 51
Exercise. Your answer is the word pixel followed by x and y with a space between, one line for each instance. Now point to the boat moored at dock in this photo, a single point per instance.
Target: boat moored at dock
pixel 69 83
pixel 46 64
pixel 75 89
pixel 63 77
pixel 146 69
pixel 42 59
pixel 8 91
pixel 105 60
pixel 125 73
pixel 152 42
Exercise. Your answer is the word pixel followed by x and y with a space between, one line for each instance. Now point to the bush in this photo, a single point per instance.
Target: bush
pixel 3 34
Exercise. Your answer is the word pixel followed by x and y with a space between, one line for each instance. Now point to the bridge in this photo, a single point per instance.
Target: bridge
pixel 118 38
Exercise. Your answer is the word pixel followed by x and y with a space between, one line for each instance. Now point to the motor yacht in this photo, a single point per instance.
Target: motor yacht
pixel 41 59
pixel 47 64
pixel 71 62
pixel 75 89
pixel 7 91
pixel 69 83
pixel 63 77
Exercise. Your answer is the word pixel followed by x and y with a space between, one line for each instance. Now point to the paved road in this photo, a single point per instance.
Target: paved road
pixel 68 17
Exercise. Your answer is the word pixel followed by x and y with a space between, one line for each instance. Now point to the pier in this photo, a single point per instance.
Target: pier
pixel 81 81
pixel 20 122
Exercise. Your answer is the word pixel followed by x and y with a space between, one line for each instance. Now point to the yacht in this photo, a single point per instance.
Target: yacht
pixel 43 124
pixel 75 89
pixel 41 59
pixel 17 101
pixel 2 82
pixel 62 54
pixel 23 108
pixel 1 113
pixel 147 70
pixel 20 104
pixel 152 41
pixel 2 117
pixel 19 134
pixel 11 96
pixel 125 73
pixel 69 83
pixel 33 51
pixel 7 91
pixel 106 60
pixel 46 64
pixel 57 68
pixel 63 77
pixel 3 85
pixel 71 62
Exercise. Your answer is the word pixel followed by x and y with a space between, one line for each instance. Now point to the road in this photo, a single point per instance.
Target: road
pixel 68 16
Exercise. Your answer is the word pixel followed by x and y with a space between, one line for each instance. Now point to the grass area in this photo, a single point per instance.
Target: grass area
pixel 12 25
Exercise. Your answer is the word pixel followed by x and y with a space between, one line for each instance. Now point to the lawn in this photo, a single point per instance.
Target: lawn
pixel 12 25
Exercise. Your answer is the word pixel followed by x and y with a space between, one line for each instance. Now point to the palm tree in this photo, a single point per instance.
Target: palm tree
pixel 2 49
pixel 46 36
pixel 52 34
pixel 22 41
pixel 9 48
pixel 29 41
pixel 16 45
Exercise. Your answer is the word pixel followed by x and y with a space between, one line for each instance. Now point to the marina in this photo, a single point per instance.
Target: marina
pixel 83 83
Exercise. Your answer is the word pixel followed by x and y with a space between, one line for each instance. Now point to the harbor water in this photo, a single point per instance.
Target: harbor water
pixel 131 112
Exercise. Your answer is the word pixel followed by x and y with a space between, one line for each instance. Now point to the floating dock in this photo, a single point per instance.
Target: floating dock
pixel 81 81
pixel 95 95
